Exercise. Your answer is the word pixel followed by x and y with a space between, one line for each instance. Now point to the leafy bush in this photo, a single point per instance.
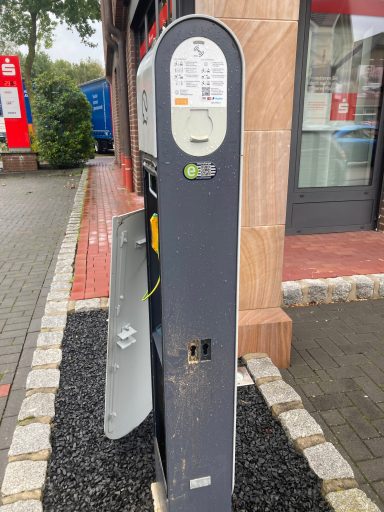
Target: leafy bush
pixel 63 121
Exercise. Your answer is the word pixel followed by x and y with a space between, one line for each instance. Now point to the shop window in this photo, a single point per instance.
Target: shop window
pixel 156 18
pixel 343 93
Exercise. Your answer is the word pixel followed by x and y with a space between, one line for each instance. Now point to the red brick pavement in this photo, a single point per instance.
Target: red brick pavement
pixel 105 198
pixel 333 255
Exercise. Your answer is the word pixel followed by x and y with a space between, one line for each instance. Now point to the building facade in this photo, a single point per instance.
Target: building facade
pixel 313 145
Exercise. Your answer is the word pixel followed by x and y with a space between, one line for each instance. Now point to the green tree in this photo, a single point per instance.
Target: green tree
pixel 7 47
pixel 63 127
pixel 82 72
pixel 41 64
pixel 87 70
pixel 32 22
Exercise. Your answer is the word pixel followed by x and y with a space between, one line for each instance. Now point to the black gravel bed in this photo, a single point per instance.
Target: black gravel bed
pixel 88 472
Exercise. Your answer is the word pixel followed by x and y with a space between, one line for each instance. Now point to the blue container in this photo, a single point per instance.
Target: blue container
pixel 98 94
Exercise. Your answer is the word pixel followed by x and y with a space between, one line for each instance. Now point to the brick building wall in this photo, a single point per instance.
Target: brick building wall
pixel 115 116
pixel 19 162
pixel 132 104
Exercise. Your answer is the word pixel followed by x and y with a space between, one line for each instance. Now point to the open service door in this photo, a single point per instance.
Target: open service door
pixel 128 393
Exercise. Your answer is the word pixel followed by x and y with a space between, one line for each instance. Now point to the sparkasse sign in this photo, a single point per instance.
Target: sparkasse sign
pixel 12 101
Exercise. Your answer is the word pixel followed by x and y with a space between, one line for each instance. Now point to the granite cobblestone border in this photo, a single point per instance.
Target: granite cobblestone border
pixel 339 486
pixel 334 289
pixel 28 456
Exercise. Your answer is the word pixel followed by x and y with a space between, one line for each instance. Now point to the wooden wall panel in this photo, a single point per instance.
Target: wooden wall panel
pixel 205 7
pixel 270 55
pixel 268 331
pixel 261 262
pixel 265 178
pixel 258 9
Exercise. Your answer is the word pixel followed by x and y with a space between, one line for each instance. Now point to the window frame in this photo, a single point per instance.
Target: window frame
pixel 327 193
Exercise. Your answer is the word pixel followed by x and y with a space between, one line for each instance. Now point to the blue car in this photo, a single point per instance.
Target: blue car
pixel 357 141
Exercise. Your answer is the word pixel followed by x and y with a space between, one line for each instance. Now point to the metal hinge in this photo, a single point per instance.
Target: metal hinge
pixel 140 243
pixel 123 238
pixel 126 336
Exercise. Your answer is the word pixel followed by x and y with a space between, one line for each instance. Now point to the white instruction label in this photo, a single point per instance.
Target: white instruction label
pixel 10 102
pixel 198 74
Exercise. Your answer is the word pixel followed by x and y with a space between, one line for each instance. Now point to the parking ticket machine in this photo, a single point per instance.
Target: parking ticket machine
pixel 172 338
pixel 189 93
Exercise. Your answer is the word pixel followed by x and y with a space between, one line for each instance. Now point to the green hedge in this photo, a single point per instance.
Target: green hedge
pixel 63 122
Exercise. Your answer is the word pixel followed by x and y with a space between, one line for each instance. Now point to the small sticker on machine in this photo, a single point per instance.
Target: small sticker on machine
pixel 205 481
pixel 200 171
pixel 198 74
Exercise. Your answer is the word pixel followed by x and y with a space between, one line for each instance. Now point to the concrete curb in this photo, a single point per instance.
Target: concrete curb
pixel 334 289
pixel 339 486
pixel 80 306
pixel 25 474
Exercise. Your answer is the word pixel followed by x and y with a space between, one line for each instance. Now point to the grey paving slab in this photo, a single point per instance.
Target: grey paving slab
pixel 15 399
pixel 6 431
pixel 3 460
pixel 339 372
pixel 3 402
pixel 32 227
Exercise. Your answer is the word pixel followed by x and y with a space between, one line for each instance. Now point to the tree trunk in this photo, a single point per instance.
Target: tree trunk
pixel 32 40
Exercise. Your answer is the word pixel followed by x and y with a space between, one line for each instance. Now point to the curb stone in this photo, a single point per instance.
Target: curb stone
pixel 24 506
pixel 23 480
pixel 354 499
pixel 38 407
pixel 50 356
pixel 25 474
pixel 31 439
pixel 39 380
pixel 338 481
pixel 334 289
pixel 84 305
pixel 49 339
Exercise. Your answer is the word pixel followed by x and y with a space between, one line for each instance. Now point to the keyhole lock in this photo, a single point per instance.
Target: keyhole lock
pixel 199 351
pixel 205 350
pixel 194 351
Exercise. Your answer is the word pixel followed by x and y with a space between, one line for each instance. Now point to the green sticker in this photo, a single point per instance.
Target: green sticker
pixel 191 171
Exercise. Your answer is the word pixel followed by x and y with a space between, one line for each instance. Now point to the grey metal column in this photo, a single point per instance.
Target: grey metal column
pixel 190 115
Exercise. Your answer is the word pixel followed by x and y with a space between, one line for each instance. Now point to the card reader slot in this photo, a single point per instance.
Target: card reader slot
pixel 150 168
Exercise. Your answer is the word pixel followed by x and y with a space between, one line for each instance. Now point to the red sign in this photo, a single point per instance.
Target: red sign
pixel 163 18
pixel 343 106
pixel 357 7
pixel 12 102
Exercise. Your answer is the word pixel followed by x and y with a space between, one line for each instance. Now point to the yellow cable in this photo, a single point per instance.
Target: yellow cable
pixel 147 295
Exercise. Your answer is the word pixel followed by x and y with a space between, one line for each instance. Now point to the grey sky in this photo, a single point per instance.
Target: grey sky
pixel 67 45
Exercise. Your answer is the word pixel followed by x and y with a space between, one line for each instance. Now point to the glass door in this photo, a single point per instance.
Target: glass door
pixel 337 156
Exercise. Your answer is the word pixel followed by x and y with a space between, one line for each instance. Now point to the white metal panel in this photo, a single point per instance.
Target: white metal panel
pixel 146 111
pixel 128 393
